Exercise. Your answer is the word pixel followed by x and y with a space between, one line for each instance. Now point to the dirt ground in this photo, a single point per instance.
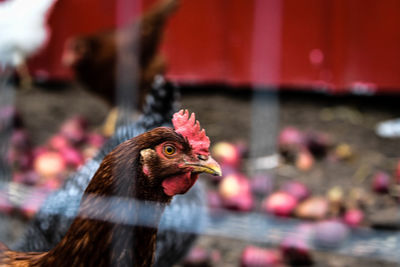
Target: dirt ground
pixel 228 114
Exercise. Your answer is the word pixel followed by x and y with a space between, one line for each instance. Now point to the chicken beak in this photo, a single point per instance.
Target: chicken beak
pixel 207 166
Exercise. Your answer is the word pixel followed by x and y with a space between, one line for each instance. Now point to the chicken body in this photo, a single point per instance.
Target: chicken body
pixel 23 32
pixel 109 230
pixel 94 58
pixel 181 220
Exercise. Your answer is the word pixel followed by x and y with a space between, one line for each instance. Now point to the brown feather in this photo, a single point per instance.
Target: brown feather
pixel 103 233
pixel 93 58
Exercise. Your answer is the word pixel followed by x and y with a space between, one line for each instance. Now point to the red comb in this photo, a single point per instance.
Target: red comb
pixel 190 128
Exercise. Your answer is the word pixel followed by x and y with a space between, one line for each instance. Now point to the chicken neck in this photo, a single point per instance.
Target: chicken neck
pixel 117 221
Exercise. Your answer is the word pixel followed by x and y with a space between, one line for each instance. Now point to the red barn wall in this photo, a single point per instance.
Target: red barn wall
pixel 335 45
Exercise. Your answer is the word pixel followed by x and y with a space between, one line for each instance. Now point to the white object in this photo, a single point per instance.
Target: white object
pixel 388 129
pixel 22 29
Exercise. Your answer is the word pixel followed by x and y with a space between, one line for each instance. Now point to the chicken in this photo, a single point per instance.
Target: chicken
pixel 110 229
pixel 93 58
pixel 185 212
pixel 22 32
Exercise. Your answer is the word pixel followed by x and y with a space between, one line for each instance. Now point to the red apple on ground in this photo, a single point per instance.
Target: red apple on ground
pixel 279 203
pixel 59 142
pixel 235 192
pixel 49 164
pixel 226 153
pixel 304 160
pixel 381 182
pixel 72 156
pixel 314 208
pixel 353 217
pixel 255 257
pixel 290 136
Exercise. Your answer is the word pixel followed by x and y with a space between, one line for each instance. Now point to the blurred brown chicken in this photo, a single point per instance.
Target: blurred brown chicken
pixel 93 58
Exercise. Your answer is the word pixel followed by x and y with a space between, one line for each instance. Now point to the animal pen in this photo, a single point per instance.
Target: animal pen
pixel 299 99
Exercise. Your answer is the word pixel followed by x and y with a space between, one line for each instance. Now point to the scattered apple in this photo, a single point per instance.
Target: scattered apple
pixel 226 153
pixel 381 182
pixel 72 156
pixel 59 142
pixel 313 208
pixel 304 160
pixel 49 164
pixel 255 257
pixel 353 217
pixel 279 203
pixel 290 136
pixel 235 192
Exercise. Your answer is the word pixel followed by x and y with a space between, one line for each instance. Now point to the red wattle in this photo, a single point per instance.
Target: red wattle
pixel 179 184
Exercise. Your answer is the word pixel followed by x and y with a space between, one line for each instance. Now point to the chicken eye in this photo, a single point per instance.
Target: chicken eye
pixel 169 150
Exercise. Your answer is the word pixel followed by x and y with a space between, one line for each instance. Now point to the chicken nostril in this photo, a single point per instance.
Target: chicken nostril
pixel 202 157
